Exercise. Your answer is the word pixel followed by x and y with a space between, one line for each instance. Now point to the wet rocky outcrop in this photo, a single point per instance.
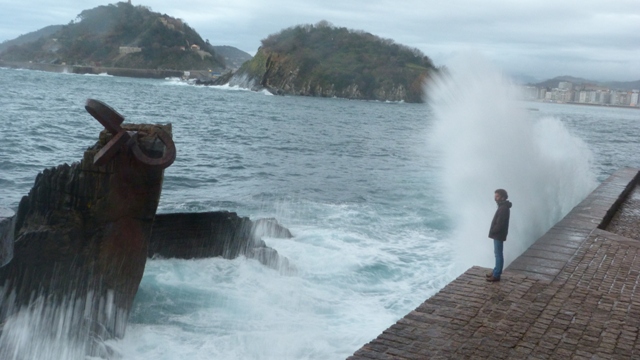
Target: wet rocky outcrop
pixel 220 80
pixel 218 233
pixel 7 218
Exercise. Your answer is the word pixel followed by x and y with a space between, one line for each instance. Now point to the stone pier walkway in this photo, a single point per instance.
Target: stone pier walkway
pixel 574 294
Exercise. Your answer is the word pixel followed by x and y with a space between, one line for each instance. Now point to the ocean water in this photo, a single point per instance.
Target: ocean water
pixel 388 202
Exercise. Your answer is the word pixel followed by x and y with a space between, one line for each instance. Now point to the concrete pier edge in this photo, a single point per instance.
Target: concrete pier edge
pixel 571 295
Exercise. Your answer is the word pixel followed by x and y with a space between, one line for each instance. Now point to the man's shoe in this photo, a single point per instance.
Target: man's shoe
pixel 492 279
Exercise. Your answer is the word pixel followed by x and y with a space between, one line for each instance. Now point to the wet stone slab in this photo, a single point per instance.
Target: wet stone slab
pixel 558 249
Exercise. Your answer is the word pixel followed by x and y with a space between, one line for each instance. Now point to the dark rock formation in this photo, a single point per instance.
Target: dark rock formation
pixel 220 233
pixel 270 228
pixel 220 80
pixel 6 235
pixel 82 236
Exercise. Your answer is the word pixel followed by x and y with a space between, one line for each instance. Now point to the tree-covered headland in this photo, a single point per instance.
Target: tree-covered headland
pixel 325 60
pixel 122 35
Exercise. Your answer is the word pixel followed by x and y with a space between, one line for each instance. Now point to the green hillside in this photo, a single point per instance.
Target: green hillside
pixel 121 35
pixel 233 57
pixel 324 60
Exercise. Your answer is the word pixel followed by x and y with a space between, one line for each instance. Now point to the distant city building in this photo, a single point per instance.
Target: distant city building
pixel 542 93
pixel 619 98
pixel 583 96
pixel 634 98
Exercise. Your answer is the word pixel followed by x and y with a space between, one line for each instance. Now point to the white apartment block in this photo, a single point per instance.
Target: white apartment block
pixel 582 98
pixel 634 98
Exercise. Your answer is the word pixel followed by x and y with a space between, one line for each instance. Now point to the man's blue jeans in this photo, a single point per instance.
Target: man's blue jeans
pixel 497 249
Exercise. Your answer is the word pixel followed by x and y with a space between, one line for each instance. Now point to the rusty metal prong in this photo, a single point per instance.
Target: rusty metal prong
pixel 111 148
pixel 105 114
pixel 168 157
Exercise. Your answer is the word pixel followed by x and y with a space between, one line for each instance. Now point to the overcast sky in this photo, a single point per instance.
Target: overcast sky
pixel 594 39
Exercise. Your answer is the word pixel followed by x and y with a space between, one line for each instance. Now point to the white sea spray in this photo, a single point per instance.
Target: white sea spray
pixel 485 139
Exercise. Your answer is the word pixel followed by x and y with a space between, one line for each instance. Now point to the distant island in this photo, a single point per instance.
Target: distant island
pixel 121 36
pixel 328 61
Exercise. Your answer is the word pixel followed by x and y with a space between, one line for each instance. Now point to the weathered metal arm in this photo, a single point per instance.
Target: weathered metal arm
pixel 112 121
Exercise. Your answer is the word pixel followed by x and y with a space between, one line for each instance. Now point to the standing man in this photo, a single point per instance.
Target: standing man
pixel 498 232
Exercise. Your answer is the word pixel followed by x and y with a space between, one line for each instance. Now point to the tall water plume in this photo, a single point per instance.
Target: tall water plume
pixel 485 139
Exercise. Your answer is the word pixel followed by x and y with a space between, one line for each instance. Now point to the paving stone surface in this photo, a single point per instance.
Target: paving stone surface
pixel 548 255
pixel 586 307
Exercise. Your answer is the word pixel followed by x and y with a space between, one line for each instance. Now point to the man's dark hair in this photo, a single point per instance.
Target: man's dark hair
pixel 503 193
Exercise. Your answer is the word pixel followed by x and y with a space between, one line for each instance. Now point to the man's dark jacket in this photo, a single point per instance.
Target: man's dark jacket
pixel 500 222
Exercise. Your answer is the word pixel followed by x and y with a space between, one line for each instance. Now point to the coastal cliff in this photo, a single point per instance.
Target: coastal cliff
pixel 327 61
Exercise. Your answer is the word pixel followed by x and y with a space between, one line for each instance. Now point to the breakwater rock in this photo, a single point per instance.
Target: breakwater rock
pixel 218 233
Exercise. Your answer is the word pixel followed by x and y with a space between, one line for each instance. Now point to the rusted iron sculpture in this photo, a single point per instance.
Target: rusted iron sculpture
pixel 81 237
pixel 82 234
pixel 111 120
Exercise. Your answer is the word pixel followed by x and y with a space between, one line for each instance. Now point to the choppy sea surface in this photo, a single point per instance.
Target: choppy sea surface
pixel 388 202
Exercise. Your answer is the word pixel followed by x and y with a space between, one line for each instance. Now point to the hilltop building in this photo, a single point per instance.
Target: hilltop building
pixel 129 49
